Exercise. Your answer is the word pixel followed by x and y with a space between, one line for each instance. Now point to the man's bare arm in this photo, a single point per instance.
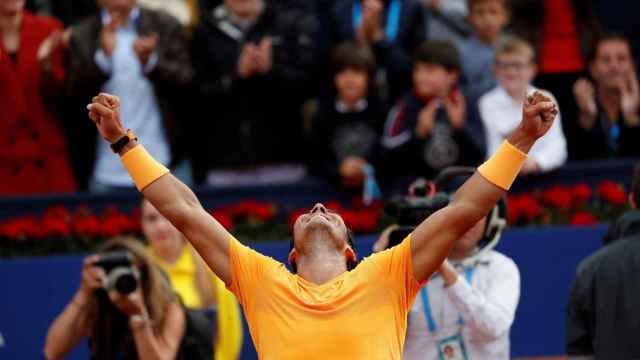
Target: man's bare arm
pixel 173 199
pixel 434 237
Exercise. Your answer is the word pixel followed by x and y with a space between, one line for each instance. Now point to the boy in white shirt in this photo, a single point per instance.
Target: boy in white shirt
pixel 515 68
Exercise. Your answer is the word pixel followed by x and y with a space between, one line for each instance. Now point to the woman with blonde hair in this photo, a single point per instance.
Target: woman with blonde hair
pixel 147 323
pixel 197 286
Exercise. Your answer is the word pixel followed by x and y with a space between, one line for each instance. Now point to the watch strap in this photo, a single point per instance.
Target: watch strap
pixel 123 141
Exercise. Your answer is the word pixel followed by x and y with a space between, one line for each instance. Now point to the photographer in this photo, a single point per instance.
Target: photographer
pixel 147 323
pixel 193 281
pixel 466 309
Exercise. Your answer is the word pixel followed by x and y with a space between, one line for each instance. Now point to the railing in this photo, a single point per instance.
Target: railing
pixel 306 192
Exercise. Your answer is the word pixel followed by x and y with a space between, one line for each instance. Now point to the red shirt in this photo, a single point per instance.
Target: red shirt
pixel 33 152
pixel 561 51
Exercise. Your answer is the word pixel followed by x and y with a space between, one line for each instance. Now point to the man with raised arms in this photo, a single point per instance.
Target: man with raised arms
pixel 329 308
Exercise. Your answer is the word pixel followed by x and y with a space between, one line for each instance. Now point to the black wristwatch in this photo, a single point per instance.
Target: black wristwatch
pixel 123 141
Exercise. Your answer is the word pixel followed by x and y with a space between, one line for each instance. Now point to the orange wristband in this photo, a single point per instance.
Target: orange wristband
pixel 142 167
pixel 503 167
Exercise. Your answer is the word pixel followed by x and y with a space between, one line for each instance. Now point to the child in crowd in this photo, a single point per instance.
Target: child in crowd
pixel 488 19
pixel 347 127
pixel 432 127
pixel 515 68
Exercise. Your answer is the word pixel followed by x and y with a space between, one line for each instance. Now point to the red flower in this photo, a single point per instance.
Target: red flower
pixel 333 205
pixel 224 218
pixel 368 221
pixel 115 223
pixel 581 193
pixel 350 219
pixel 135 220
pixel 56 222
pixel 260 210
pixel 583 219
pixel 294 215
pixel 364 221
pixel 523 205
pixel 55 227
pixel 264 212
pixel 27 227
pixel 86 225
pixel 530 207
pixel 612 193
pixel 558 197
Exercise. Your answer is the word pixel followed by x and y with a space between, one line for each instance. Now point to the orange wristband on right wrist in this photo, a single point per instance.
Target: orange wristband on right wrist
pixel 142 167
pixel 503 167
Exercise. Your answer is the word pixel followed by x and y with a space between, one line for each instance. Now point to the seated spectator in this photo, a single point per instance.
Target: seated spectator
pixel 609 116
pixel 446 20
pixel 33 147
pixel 394 29
pixel 148 323
pixel 139 54
pixel 347 127
pixel 488 19
pixel 196 285
pixel 252 64
pixel 515 68
pixel 562 33
pixel 433 126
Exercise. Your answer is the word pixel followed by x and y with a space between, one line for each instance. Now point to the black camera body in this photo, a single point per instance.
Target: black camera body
pixel 122 275
pixel 423 200
pixel 410 210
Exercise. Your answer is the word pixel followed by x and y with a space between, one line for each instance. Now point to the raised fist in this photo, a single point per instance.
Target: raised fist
pixel 104 111
pixel 538 113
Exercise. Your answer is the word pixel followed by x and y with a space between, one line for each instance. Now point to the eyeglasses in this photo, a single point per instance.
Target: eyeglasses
pixel 517 66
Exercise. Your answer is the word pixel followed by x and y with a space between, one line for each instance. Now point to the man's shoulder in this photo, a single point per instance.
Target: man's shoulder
pixel 592 263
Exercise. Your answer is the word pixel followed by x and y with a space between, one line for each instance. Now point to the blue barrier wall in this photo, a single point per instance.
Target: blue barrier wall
pixel 36 289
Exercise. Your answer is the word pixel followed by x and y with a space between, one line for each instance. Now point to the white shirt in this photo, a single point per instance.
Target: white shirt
pixel 501 114
pixel 487 307
pixel 141 110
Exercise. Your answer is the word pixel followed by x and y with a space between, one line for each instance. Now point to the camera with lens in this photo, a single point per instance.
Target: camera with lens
pixel 427 197
pixel 410 210
pixel 122 274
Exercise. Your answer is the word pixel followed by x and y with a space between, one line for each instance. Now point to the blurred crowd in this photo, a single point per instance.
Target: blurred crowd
pixel 245 92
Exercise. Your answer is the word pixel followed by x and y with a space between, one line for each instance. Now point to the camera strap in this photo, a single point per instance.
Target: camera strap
pixel 426 305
